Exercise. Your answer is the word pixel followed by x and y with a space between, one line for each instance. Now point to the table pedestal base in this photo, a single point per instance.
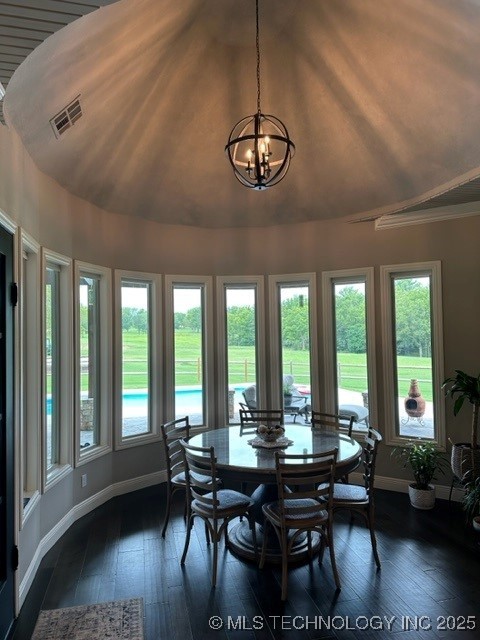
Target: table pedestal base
pixel 241 544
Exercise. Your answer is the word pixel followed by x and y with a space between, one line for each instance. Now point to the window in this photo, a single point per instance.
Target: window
pixel 138 394
pixel 93 358
pixel 412 314
pixel 188 318
pixel 240 343
pixel 29 391
pixel 57 358
pixel 348 317
pixel 293 338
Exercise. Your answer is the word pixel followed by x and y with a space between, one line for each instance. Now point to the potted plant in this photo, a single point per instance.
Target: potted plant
pixel 465 455
pixel 471 502
pixel 425 460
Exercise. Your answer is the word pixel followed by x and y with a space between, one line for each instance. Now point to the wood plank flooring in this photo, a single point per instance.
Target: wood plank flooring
pixel 430 573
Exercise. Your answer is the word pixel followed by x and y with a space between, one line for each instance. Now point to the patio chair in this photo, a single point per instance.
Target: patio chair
pixel 295 403
pixel 250 396
pixel 358 412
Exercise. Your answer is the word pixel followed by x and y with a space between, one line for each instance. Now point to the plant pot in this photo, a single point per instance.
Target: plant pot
pixel 421 498
pixel 461 459
pixel 476 524
pixel 287 399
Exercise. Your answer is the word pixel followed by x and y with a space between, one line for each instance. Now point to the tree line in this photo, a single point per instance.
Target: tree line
pixel 412 320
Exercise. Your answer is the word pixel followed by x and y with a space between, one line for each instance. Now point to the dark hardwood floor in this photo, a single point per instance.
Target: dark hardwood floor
pixel 430 570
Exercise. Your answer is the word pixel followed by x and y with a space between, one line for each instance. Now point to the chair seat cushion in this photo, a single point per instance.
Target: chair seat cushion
pixel 227 498
pixel 272 510
pixel 349 493
pixel 180 478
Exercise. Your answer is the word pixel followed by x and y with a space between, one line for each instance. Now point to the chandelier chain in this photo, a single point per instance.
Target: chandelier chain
pixel 258 57
pixel 259 148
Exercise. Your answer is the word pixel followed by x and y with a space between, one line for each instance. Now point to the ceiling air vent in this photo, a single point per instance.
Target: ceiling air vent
pixel 67 117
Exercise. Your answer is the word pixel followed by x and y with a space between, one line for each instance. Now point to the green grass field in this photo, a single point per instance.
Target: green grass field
pixel 352 369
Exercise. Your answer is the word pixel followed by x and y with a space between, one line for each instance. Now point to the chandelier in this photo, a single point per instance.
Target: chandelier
pixel 259 147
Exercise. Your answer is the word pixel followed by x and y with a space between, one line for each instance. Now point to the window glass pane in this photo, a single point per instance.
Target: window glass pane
pixel 23 373
pixel 413 356
pixel 136 358
pixel 349 305
pixel 240 319
pixel 89 288
pixel 295 348
pixel 188 349
pixel 52 365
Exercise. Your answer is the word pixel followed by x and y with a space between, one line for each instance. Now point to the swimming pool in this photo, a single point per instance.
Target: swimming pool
pixel 188 400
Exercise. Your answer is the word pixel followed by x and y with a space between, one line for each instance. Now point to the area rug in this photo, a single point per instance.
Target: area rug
pixel 120 620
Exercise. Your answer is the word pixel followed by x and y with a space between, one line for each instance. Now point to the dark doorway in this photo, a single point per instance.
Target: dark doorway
pixel 7 549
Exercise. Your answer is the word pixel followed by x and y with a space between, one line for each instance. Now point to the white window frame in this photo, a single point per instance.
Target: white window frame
pixel 29 391
pixel 346 276
pixel 208 359
pixel 82 456
pixel 418 269
pixel 155 391
pixel 258 283
pixel 276 391
pixel 64 467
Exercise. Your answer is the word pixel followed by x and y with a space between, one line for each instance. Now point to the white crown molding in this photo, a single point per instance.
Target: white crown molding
pixel 439 214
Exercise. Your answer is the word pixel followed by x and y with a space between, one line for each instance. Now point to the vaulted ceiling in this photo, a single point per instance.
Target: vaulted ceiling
pixel 381 99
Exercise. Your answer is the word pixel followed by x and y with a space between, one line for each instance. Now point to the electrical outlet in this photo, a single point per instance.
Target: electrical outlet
pixel 84 480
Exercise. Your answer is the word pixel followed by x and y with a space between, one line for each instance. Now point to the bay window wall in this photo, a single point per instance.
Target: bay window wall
pixel 138 344
pixel 93 358
pixel 349 333
pixel 413 348
pixel 57 361
pixel 240 344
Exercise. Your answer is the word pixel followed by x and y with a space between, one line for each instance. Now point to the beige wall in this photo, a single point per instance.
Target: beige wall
pixel 71 226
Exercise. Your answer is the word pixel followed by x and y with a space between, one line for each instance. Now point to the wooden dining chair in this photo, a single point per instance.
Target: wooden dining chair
pixel 251 418
pixel 360 498
pixel 206 500
pixel 308 510
pixel 333 422
pixel 172 433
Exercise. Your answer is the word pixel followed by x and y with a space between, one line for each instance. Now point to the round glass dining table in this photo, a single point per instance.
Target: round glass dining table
pixel 239 461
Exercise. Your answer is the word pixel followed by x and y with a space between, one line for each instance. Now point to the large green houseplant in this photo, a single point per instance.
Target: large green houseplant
pixel 465 455
pixel 425 460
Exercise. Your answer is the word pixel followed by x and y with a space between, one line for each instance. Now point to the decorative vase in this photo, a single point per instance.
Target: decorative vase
pixel 414 402
pixel 421 498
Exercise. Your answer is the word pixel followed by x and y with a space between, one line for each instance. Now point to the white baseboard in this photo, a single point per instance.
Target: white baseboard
pixel 401 486
pixel 78 511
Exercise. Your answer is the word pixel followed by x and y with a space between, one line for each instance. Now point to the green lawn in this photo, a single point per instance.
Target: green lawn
pixel 352 369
